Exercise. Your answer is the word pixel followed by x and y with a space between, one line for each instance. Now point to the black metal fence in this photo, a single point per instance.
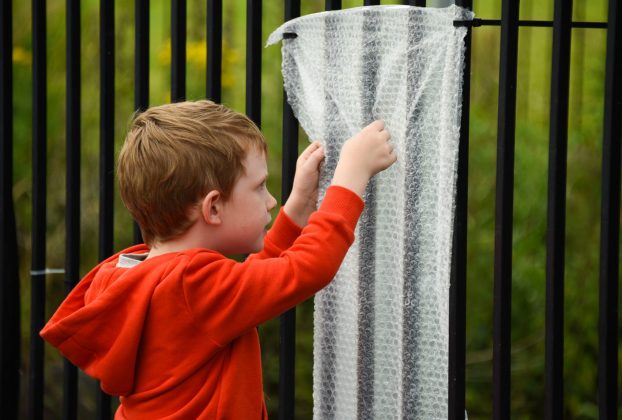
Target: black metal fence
pixel 562 25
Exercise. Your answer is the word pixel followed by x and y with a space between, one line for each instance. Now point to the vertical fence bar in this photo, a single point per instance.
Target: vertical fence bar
pixel 141 55
pixel 106 127
pixel 72 190
pixel 556 214
pixel 178 50
pixel 9 282
pixel 421 3
pixel 371 2
pixel 141 68
pixel 578 64
pixel 39 207
pixel 253 60
pixel 504 209
pixel 214 50
pixel 288 319
pixel 610 220
pixel 457 290
pixel 332 5
pixel 106 178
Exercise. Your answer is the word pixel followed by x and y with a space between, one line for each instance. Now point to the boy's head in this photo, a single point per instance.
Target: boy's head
pixel 175 154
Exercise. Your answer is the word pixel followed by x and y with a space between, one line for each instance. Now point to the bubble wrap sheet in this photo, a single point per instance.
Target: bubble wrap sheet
pixel 381 327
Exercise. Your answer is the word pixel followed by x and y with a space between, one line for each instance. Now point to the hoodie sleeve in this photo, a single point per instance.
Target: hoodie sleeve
pixel 280 237
pixel 227 298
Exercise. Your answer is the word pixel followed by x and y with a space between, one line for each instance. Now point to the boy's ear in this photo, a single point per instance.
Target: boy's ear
pixel 211 208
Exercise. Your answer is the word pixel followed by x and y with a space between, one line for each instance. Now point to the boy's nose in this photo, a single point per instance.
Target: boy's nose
pixel 271 202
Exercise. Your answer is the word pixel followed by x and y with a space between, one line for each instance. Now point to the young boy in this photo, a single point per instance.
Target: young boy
pixel 170 326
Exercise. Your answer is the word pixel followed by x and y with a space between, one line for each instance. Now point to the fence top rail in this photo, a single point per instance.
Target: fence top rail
pixel 533 23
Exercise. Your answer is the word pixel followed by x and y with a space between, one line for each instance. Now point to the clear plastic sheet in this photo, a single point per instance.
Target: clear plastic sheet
pixel 381 327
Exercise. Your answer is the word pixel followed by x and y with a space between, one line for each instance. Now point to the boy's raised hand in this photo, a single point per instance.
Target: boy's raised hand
pixel 363 156
pixel 303 198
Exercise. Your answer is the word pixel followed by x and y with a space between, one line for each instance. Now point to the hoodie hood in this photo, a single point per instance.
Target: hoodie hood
pixel 98 327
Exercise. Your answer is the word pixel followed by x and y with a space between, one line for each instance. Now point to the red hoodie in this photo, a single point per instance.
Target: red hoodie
pixel 175 336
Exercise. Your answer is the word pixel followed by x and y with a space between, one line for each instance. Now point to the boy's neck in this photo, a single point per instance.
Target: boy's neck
pixel 194 237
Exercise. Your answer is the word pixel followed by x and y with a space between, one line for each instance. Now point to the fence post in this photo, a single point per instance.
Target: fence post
pixel 332 5
pixel 503 213
pixel 72 192
pixel 421 3
pixel 556 214
pixel 288 319
pixel 178 50
pixel 106 174
pixel 9 281
pixel 610 220
pixel 141 55
pixel 214 49
pixel 457 290
pixel 39 207
pixel 141 70
pixel 253 60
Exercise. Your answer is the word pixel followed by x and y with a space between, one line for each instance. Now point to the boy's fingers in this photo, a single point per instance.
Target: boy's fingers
pixel 317 155
pixel 315 158
pixel 376 125
pixel 310 149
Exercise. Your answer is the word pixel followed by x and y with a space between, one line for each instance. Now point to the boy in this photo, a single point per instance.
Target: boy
pixel 170 326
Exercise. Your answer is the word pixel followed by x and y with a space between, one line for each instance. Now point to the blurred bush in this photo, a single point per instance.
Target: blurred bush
pixel 529 237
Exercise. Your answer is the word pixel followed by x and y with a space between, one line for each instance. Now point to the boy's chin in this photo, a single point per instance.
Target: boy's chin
pixel 257 249
pixel 248 247
pixel 251 249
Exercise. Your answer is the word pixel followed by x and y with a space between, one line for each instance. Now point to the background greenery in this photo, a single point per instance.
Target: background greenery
pixel 528 293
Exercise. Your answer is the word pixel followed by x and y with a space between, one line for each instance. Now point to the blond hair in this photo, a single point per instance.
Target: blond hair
pixel 175 154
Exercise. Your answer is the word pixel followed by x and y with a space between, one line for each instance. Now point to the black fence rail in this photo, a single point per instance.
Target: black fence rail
pixel 562 25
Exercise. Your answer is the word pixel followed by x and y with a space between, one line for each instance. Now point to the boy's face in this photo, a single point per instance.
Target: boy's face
pixel 247 211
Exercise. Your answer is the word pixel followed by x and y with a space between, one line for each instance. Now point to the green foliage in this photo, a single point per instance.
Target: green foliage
pixel 530 193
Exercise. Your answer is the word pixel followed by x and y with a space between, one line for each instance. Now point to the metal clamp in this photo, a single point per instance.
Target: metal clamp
pixel 47 271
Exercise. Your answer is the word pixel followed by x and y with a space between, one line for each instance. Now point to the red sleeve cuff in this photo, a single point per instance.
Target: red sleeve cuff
pixel 284 231
pixel 343 201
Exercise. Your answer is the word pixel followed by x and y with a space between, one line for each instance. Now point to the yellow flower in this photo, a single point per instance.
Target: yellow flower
pixel 164 56
pixel 196 54
pixel 22 56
